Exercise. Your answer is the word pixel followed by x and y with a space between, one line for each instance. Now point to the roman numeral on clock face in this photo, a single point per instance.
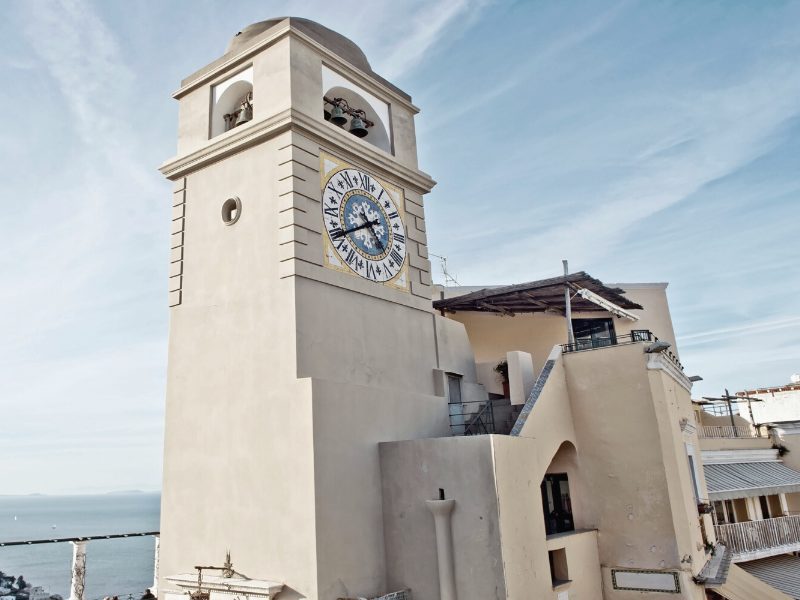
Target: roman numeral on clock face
pixel 354 205
pixel 345 176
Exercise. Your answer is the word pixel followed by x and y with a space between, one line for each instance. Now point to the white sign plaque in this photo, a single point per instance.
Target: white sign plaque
pixel 645 581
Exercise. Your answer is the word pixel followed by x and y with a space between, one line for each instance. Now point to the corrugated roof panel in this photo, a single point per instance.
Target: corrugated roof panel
pixel 744 480
pixel 781 572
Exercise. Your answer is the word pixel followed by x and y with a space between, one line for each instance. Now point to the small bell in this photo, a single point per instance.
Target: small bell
pixel 337 116
pixel 357 127
pixel 244 114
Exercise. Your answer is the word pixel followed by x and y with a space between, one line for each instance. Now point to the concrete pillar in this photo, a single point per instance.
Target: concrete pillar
pixel 154 589
pixel 753 509
pixel 520 376
pixel 784 504
pixel 441 510
pixel 78 571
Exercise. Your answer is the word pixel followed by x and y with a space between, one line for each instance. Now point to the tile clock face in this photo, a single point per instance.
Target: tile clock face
pixel 363 218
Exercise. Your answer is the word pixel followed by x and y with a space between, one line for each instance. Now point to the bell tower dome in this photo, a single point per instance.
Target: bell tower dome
pixel 301 327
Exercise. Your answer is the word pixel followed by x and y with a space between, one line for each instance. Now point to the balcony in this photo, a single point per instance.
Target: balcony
pixel 759 539
pixel 79 584
pixel 728 431
pixel 634 337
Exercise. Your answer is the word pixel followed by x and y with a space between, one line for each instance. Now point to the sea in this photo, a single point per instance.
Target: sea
pixel 118 567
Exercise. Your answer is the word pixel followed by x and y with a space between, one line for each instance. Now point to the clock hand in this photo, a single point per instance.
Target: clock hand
pixel 341 234
pixel 375 235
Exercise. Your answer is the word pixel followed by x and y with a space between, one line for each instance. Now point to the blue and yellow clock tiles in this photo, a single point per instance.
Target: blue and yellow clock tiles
pixel 363 219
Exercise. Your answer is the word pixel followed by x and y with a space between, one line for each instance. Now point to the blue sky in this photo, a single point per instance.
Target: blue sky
pixel 649 141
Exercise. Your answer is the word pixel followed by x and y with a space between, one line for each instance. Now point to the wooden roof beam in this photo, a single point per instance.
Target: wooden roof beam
pixel 544 305
pixel 493 308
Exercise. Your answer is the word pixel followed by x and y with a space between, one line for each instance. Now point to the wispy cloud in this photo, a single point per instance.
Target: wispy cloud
pixel 426 29
pixel 74 290
pixel 83 57
pixel 705 337
pixel 519 74
pixel 730 127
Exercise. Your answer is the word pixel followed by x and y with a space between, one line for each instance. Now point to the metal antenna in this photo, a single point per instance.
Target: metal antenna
pixel 730 401
pixel 448 278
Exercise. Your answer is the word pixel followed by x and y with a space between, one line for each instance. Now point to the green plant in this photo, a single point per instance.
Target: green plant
pixel 704 508
pixel 502 370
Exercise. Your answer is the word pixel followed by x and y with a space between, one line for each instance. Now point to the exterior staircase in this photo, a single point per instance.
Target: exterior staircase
pixel 497 415
pixel 505 415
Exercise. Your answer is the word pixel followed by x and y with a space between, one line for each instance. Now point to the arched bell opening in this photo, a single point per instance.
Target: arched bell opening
pixel 350 110
pixel 559 486
pixel 232 102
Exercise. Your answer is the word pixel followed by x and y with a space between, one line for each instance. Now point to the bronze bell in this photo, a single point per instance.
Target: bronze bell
pixel 244 114
pixel 357 127
pixel 337 116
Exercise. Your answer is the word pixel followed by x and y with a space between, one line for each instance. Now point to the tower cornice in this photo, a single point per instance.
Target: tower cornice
pixel 382 163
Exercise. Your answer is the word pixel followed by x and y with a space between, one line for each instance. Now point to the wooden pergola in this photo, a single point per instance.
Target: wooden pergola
pixel 545 295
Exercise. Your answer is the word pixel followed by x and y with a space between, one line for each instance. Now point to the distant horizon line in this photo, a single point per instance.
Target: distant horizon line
pixel 54 494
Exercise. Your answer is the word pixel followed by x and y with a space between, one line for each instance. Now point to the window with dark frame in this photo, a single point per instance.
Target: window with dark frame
pixel 457 424
pixel 557 504
pixel 593 333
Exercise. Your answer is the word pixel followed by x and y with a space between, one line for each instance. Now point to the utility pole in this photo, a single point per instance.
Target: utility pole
pixel 730 411
pixel 568 305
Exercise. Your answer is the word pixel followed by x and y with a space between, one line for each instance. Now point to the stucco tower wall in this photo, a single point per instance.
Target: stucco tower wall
pixel 284 374
pixel 673 404
pixel 349 422
pixel 526 565
pixel 238 462
pixel 413 473
pixel 620 457
pixel 655 316
pixel 369 349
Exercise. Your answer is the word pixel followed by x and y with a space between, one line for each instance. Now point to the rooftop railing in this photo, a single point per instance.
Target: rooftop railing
pixel 728 431
pixel 759 539
pixel 634 337
pixel 472 418
pixel 78 582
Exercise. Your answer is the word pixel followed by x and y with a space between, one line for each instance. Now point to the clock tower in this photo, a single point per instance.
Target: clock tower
pixel 301 329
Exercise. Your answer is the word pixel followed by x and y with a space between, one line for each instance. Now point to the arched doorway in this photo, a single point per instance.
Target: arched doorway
pixel 557 502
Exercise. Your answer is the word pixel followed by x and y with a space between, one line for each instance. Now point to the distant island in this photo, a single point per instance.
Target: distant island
pixel 16 588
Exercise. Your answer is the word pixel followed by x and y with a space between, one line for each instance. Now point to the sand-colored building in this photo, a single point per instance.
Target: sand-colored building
pixel 753 477
pixel 779 403
pixel 342 435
